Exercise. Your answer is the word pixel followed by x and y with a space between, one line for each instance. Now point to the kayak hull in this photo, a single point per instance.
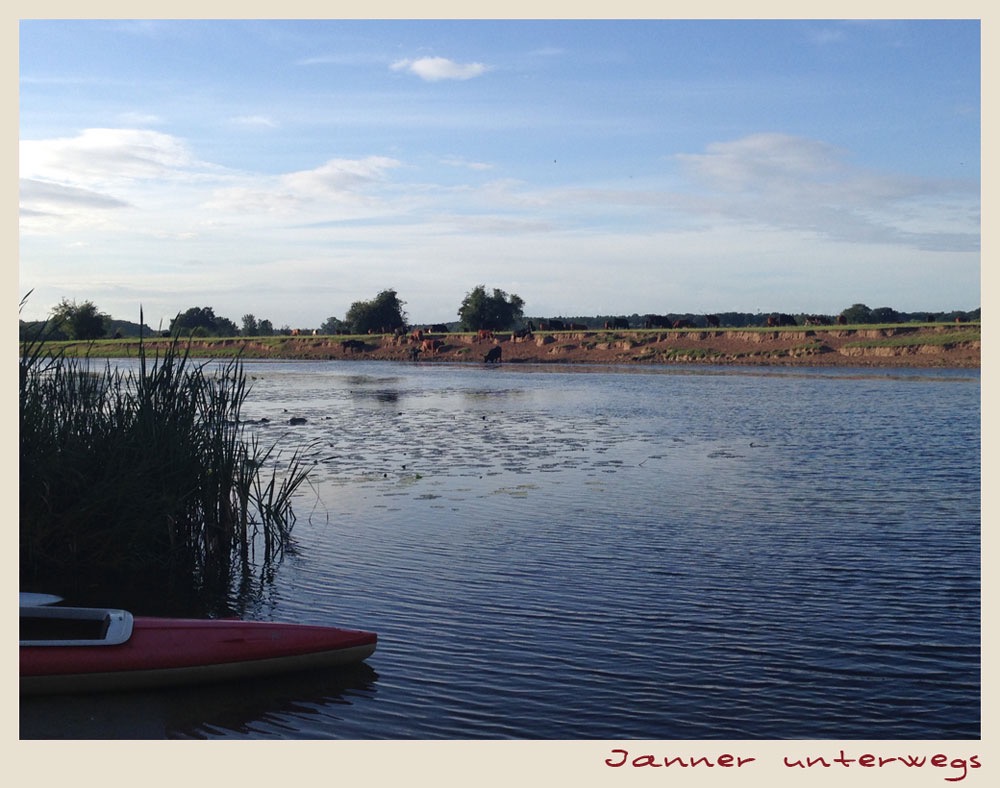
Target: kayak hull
pixel 167 652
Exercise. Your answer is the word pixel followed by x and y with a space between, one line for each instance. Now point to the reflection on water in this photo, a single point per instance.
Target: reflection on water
pixel 614 553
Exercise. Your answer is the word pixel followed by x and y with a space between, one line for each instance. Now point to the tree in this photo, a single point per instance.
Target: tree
pixel 333 325
pixel 251 328
pixel 265 329
pixel 202 321
pixel 382 315
pixel 858 313
pixel 496 312
pixel 885 314
pixel 80 321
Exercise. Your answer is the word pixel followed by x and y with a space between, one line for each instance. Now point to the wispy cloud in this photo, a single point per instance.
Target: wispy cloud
pixel 258 121
pixel 435 69
pixel 789 182
pixel 458 161
pixel 105 155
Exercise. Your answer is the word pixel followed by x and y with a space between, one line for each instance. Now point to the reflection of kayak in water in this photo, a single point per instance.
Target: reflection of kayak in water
pixel 73 649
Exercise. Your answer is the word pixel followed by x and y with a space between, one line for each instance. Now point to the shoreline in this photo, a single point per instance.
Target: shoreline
pixel 924 346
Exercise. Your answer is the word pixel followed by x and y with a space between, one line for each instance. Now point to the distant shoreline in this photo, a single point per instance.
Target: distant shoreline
pixel 923 346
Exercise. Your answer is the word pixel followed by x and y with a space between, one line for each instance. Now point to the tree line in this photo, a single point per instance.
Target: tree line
pixel 481 309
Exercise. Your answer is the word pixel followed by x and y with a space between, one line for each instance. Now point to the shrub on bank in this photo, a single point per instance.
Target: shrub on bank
pixel 143 478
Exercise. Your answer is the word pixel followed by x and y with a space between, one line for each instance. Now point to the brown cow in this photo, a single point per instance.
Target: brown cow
pixel 431 345
pixel 484 335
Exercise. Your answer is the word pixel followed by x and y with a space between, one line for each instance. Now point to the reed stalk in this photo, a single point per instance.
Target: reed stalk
pixel 145 477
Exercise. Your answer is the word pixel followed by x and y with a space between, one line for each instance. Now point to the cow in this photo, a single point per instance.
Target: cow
pixel 352 345
pixel 576 327
pixel 552 325
pixel 657 321
pixel 431 345
pixel 521 336
pixel 841 320
pixel 493 356
pixel 682 324
pixel 296 332
pixel 439 328
pixel 780 320
pixel 484 335
pixel 712 321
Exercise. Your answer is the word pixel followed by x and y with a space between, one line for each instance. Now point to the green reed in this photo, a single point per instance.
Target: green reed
pixel 145 477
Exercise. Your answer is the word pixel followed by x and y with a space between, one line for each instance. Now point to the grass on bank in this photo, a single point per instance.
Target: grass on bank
pixel 944 339
pixel 144 478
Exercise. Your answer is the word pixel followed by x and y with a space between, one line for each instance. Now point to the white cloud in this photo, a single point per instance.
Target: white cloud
pixel 255 120
pixel 308 194
pixel 435 69
pixel 105 155
pixel 458 161
pixel 789 182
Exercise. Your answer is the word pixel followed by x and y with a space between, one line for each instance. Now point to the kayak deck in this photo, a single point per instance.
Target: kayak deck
pixel 69 650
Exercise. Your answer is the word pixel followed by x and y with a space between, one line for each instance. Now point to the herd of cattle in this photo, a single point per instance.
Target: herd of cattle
pixel 421 341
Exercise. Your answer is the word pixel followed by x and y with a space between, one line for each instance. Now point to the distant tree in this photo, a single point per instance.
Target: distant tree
pixel 264 328
pixel 224 327
pixel 858 313
pixel 80 321
pixel 202 321
pixel 496 312
pixel 381 315
pixel 885 314
pixel 251 328
pixel 334 325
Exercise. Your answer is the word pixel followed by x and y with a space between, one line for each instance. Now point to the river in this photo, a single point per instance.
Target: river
pixel 564 552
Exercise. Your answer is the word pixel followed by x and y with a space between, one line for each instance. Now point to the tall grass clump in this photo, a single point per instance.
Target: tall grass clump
pixel 144 478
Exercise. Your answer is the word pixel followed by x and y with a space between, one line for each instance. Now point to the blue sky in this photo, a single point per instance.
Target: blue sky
pixel 290 168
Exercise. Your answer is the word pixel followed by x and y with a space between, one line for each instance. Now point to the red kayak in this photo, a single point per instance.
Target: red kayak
pixel 72 649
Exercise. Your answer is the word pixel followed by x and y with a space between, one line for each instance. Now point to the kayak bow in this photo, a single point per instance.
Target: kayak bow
pixel 67 649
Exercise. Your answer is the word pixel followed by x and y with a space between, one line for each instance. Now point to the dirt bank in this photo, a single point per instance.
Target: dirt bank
pixel 899 346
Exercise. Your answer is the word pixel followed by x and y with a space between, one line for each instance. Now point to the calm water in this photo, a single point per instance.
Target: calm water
pixel 655 553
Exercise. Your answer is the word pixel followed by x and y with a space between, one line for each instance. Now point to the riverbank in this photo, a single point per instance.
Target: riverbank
pixel 862 346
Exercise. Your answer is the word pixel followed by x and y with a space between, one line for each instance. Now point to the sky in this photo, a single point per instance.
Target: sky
pixel 287 169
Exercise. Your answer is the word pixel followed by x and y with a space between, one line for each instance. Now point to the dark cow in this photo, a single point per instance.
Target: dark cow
pixel 493 356
pixel 552 325
pixel 841 320
pixel 780 320
pixel 521 336
pixel 712 321
pixel 576 327
pixel 657 321
pixel 352 345
pixel 439 328
pixel 682 324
